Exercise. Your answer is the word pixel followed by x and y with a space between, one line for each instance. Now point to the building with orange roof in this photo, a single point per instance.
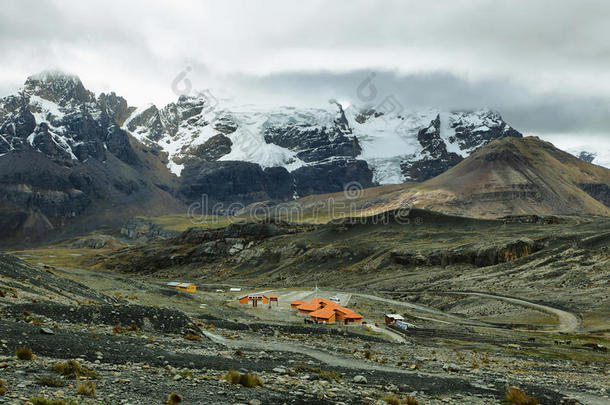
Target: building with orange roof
pixel 296 303
pixel 254 299
pixel 327 311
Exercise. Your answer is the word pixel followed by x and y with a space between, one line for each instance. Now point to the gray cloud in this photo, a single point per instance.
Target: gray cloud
pixel 542 64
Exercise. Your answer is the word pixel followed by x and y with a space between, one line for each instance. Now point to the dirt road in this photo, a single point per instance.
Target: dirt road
pixel 568 322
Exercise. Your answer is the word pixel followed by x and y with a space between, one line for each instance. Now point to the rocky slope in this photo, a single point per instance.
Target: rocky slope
pixel 140 353
pixel 511 176
pixel 64 160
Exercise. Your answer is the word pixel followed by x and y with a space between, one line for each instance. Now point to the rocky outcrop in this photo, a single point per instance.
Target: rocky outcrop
pixel 213 149
pixel 143 229
pixel 599 191
pixel 224 183
pixel 480 255
pixel 314 144
pixel 460 130
pixel 436 158
pixel 331 176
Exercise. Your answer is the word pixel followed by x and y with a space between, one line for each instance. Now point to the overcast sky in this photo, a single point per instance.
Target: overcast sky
pixel 544 65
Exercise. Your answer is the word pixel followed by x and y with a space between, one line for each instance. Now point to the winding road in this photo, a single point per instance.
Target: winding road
pixel 568 322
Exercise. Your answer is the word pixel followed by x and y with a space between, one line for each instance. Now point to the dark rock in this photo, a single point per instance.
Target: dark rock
pixel 115 106
pixel 118 143
pixel 225 125
pixel 213 149
pixel 599 191
pixel 436 159
pixel 227 185
pixel 151 119
pixel 331 176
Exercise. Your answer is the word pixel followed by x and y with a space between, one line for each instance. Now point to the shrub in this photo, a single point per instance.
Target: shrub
pixel 44 401
pixel 117 329
pixel 24 353
pixel 325 375
pixel 247 380
pixel 186 374
pixel 86 389
pixel 193 337
pixel 410 400
pixel 238 353
pixel 50 382
pixel 174 399
pixel 232 376
pixel 72 369
pixel 394 400
pixel 330 375
pixel 391 399
pixel 515 396
pixel 2 387
pixel 368 354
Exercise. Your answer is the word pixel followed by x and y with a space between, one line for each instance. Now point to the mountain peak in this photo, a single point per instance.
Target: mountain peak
pixel 58 86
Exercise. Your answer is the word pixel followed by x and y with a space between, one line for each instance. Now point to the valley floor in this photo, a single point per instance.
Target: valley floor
pixel 457 355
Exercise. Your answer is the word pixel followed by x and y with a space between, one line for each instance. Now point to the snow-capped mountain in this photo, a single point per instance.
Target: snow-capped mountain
pixel 242 154
pixel 396 148
pixel 56 115
pixel 64 158
pixel 66 154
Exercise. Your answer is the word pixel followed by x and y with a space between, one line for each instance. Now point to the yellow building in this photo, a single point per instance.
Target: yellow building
pixel 189 287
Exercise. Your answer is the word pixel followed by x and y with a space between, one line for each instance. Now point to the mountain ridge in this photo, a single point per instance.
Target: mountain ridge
pixel 513 176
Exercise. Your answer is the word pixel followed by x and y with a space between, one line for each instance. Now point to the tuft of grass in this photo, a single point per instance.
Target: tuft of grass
pixel 50 382
pixel 174 399
pixel 193 337
pixel 86 389
pixel 330 375
pixel 394 400
pixel 232 376
pixel 247 380
pixel 44 401
pixel 391 399
pixel 325 375
pixel 118 329
pixel 515 396
pixel 368 355
pixel 186 374
pixel 410 400
pixel 238 353
pixel 2 387
pixel 24 353
pixel 72 369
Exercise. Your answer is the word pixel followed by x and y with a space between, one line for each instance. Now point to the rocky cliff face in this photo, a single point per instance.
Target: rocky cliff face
pixel 62 151
pixel 227 183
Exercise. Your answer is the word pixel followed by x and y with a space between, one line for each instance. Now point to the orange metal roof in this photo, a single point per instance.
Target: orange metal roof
pixel 323 308
pixel 324 313
pixel 348 313
pixel 274 296
pixel 309 306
